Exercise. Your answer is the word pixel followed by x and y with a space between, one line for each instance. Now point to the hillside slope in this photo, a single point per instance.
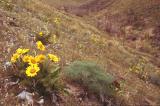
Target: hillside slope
pixel 134 23
pixel 21 20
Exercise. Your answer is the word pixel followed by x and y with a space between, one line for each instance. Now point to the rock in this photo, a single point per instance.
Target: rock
pixel 7 64
pixel 54 98
pixel 155 79
pixel 41 101
pixel 24 95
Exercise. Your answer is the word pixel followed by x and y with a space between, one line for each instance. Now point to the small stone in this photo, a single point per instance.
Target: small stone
pixel 7 64
pixel 24 95
pixel 41 101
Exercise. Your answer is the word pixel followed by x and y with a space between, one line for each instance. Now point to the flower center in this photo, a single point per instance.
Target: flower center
pixel 32 71
pixel 33 61
pixel 41 46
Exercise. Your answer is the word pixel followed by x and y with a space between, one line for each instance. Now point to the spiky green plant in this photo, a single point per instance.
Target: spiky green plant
pixel 91 76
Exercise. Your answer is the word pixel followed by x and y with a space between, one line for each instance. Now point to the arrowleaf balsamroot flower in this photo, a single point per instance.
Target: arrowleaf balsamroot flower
pixel 54 58
pixel 40 33
pixel 40 58
pixel 26 58
pixel 15 57
pixel 22 51
pixel 33 60
pixel 57 20
pixel 40 45
pixel 32 70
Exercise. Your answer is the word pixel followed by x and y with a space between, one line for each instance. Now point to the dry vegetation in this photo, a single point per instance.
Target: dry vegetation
pixel 137 73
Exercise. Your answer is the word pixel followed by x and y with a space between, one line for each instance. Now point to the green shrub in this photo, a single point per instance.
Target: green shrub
pixel 90 76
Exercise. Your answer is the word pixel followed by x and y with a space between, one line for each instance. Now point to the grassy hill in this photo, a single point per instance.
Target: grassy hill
pixel 22 20
pixel 134 23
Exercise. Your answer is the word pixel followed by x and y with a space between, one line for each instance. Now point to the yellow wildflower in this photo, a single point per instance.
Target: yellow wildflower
pixel 57 20
pixel 32 70
pixel 19 51
pixel 25 51
pixel 40 57
pixel 14 57
pixel 40 45
pixel 54 58
pixel 40 33
pixel 26 58
pixel 33 60
pixel 95 38
pixel 22 51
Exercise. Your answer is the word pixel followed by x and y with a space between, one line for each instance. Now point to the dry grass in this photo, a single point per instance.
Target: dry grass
pixel 64 2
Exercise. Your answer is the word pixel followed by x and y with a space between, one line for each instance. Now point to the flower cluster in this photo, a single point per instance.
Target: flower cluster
pixel 57 20
pixel 18 54
pixel 98 40
pixel 138 67
pixel 33 62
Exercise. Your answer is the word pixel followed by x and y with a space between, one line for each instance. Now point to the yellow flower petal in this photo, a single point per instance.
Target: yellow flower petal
pixel 15 57
pixel 22 51
pixel 40 45
pixel 54 58
pixel 40 58
pixel 19 51
pixel 25 51
pixel 33 61
pixel 32 70
pixel 26 58
pixel 40 33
